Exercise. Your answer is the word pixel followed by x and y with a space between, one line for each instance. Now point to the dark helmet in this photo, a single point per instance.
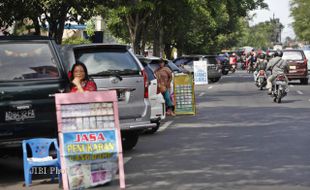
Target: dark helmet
pixel 278 53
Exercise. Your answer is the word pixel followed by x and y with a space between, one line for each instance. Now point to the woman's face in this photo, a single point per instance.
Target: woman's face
pixel 79 72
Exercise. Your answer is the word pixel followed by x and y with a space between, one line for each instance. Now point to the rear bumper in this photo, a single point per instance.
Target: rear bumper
pixel 137 125
pixel 292 77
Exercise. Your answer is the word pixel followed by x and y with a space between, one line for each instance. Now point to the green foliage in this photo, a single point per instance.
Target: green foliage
pixel 90 27
pixel 76 40
pixel 301 14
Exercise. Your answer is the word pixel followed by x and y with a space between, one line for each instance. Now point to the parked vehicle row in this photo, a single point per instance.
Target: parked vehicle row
pixel 33 70
pixel 214 68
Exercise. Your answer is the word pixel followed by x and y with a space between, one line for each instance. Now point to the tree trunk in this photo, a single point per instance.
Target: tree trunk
pixel 36 26
pixel 168 51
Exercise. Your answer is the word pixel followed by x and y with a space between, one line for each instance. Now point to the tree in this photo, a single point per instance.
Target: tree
pixel 301 15
pixel 51 14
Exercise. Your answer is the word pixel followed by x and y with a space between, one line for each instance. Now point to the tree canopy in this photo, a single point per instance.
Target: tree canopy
pixel 301 14
pixel 191 26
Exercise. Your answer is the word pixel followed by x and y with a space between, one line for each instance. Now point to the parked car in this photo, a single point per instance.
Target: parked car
pixel 214 68
pixel 31 73
pixel 114 67
pixel 307 54
pixel 298 68
pixel 158 108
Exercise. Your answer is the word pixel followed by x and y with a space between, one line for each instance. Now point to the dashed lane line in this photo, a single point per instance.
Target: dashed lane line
pixel 291 85
pixel 165 126
pixel 210 87
pixel 300 92
pixel 201 94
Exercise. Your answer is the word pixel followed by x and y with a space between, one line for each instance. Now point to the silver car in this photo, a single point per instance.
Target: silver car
pixel 114 67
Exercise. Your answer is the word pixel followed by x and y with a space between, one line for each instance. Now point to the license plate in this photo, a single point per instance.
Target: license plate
pixel 19 115
pixel 292 67
pixel 121 95
pixel 280 82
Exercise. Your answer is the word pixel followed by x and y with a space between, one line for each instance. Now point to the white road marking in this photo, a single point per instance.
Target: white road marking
pixel 291 85
pixel 201 94
pixel 300 92
pixel 309 100
pixel 210 87
pixel 165 126
pixel 127 159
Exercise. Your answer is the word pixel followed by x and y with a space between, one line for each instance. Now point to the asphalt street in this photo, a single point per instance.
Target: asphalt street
pixel 238 140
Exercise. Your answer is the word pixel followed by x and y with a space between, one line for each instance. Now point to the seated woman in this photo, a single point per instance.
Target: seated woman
pixel 80 81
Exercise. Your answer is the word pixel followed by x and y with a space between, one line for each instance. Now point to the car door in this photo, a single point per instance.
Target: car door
pixel 30 76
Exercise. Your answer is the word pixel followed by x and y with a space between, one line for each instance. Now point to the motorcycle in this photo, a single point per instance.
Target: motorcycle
pixel 261 80
pixel 233 67
pixel 225 67
pixel 279 88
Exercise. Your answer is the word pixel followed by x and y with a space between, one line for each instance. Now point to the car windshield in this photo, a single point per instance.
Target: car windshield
pixel 292 55
pixel 27 61
pixel 108 62
pixel 173 67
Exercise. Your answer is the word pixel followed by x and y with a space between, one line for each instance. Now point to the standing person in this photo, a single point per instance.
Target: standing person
pixel 164 78
pixel 277 65
pixel 79 79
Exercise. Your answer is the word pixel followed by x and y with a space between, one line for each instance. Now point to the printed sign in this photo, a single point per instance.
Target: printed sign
pixel 89 137
pixel 200 72
pixel 184 94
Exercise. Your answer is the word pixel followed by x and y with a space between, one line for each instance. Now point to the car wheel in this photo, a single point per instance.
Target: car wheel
pixel 153 130
pixel 304 81
pixel 225 72
pixel 214 79
pixel 129 139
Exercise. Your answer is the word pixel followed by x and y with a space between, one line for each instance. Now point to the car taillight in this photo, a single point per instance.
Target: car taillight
pixel 280 78
pixel 305 61
pixel 146 84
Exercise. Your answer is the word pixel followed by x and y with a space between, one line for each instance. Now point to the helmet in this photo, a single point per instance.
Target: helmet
pixel 278 53
pixel 262 56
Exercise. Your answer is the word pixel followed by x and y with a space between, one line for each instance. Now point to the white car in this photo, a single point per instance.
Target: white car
pixel 157 101
pixel 307 54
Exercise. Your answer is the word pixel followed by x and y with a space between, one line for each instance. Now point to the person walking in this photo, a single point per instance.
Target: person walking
pixel 164 78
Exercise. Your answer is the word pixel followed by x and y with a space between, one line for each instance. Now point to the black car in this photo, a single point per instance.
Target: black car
pixel 31 73
pixel 214 68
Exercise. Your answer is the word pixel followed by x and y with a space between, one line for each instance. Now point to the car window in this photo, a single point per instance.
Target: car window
pixel 173 67
pixel 212 60
pixel 21 61
pixel 150 73
pixel 99 62
pixel 292 55
pixel 183 61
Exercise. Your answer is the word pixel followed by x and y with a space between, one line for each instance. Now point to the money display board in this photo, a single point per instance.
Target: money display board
pixel 184 94
pixel 89 138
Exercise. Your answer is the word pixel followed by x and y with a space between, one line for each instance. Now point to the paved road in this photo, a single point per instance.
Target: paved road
pixel 239 140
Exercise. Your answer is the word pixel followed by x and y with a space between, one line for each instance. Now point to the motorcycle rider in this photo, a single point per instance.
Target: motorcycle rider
pixel 261 64
pixel 277 65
